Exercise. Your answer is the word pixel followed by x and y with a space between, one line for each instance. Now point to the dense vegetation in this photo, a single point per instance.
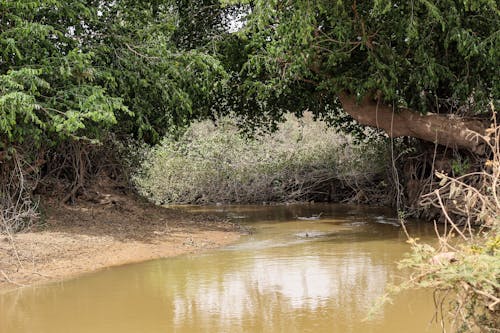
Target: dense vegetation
pixel 73 74
pixel 302 161
pixel 70 69
pixel 80 78
pixel 372 58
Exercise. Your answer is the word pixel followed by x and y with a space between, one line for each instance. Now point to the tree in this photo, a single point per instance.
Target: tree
pixel 411 68
pixel 75 72
pixel 164 79
pixel 79 69
pixel 48 89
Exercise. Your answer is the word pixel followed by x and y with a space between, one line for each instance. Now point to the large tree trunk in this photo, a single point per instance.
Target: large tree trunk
pixel 447 130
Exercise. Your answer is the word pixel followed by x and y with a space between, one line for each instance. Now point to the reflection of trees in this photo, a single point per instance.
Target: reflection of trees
pixel 269 289
pixel 275 282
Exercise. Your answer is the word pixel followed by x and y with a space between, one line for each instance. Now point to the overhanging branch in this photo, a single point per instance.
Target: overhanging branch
pixel 446 130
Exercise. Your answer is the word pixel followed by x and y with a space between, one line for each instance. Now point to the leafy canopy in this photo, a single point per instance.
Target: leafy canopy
pixel 162 73
pixel 440 56
pixel 47 82
pixel 76 69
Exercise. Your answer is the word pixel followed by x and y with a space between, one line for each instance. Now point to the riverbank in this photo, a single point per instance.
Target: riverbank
pixel 276 280
pixel 114 230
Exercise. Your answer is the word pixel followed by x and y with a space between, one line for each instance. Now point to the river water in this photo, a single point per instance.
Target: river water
pixel 287 275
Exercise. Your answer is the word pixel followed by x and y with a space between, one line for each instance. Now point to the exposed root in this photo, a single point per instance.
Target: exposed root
pixel 18 210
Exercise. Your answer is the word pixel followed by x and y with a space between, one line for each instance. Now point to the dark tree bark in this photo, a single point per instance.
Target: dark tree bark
pixel 447 130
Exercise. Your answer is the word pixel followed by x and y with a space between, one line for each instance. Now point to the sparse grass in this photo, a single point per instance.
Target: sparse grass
pixel 303 160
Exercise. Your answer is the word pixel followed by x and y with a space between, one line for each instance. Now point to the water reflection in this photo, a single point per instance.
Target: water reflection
pixel 274 280
pixel 285 283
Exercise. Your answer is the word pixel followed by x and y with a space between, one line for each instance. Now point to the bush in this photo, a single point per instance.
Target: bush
pixel 464 273
pixel 18 209
pixel 464 277
pixel 215 162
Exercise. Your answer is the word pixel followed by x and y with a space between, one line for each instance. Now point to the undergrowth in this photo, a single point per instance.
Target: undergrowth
pixel 463 270
pixel 303 160
pixel 18 207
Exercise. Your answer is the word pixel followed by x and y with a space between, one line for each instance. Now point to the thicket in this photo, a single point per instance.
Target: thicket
pixel 303 160
pixel 77 75
pixel 74 73
pixel 17 205
pixel 463 269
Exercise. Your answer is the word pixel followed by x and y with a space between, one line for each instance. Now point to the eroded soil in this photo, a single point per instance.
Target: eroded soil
pixel 92 235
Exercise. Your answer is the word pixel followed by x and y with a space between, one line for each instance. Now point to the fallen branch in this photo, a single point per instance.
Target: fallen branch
pixel 10 281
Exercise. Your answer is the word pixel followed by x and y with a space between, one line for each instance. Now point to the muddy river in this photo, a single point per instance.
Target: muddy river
pixel 293 273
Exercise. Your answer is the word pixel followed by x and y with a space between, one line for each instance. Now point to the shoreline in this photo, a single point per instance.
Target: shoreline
pixel 88 237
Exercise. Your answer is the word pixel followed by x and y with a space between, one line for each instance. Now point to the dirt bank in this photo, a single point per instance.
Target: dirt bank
pixel 117 230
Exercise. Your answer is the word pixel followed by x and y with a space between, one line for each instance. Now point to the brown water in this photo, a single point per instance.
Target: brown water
pixel 289 275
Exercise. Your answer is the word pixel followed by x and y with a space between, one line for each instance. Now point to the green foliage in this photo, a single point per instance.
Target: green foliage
pixel 430 56
pixel 75 69
pixel 470 276
pixel 47 82
pixel 216 163
pixel 163 81
pixel 460 166
pixel 202 23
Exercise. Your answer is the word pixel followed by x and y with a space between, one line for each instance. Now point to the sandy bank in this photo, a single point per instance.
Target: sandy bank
pixel 91 236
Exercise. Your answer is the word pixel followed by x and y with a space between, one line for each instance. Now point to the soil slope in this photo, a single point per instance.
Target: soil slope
pixel 113 230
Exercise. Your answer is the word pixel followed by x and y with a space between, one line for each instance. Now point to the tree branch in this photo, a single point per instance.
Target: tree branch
pixel 447 130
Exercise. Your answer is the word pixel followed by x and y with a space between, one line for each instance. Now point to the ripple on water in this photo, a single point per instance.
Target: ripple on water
pixel 288 276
